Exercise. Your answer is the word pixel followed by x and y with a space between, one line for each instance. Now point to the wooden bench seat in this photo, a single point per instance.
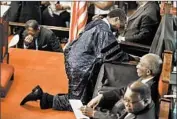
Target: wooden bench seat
pixel 7 74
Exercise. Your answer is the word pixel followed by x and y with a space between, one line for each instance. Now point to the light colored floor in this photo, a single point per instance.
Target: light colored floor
pixel 33 68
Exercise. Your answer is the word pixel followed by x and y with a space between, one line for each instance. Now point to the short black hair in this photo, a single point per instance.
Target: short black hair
pixel 118 13
pixel 141 88
pixel 33 24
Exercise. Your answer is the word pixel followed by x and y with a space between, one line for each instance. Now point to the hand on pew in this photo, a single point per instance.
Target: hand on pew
pixel 88 111
pixel 95 101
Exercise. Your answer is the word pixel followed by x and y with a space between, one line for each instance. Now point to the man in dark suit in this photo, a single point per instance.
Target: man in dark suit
pixel 22 11
pixel 148 70
pixel 40 38
pixel 137 101
pixel 142 24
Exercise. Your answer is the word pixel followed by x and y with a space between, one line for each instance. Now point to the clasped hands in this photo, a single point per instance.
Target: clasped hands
pixel 28 40
pixel 88 111
pixel 120 39
pixel 61 7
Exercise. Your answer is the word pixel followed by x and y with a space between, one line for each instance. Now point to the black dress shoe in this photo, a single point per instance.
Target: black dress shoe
pixel 36 94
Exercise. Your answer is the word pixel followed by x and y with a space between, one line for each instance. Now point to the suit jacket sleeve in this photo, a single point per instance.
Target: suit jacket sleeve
pixel 103 115
pixel 55 43
pixel 111 97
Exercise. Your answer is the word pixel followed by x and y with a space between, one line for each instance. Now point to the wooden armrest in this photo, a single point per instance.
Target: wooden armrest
pixel 165 74
pixel 48 27
pixel 164 108
pixel 134 48
pixel 7 71
pixel 123 63
pixel 167 65
pixel 135 45
pixel 165 99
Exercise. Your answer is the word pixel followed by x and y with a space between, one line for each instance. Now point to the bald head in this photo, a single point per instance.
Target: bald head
pixel 137 97
pixel 142 89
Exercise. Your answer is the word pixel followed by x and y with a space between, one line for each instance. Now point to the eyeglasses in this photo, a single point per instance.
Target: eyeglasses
pixel 133 102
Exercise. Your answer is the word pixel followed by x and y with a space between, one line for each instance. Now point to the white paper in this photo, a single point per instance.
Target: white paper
pixel 14 40
pixel 4 8
pixel 174 69
pixel 76 104
pixel 174 4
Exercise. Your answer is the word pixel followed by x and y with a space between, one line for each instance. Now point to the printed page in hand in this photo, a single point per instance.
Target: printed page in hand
pixel 76 104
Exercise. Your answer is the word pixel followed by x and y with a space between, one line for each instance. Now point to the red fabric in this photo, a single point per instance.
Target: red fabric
pixel 6 74
pixel 78 19
pixel 162 87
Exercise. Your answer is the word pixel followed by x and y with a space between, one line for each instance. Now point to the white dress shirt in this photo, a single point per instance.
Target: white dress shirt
pixel 146 80
pixel 52 8
pixel 105 20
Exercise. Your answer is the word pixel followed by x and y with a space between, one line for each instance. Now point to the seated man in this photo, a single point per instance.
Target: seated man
pixel 80 57
pixel 137 101
pixel 148 70
pixel 56 14
pixel 142 24
pixel 40 38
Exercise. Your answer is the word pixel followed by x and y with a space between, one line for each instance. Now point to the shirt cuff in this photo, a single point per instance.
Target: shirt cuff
pixel 25 47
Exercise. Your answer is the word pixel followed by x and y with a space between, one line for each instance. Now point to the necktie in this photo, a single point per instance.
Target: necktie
pixel 130 116
pixel 36 43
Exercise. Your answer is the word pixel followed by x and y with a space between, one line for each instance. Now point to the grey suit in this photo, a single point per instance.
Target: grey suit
pixel 142 25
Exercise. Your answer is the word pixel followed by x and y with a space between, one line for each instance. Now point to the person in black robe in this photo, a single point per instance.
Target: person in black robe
pixel 83 59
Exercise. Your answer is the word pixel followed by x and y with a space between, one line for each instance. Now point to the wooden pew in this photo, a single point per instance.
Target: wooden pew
pixel 7 71
pixel 48 27
pixel 163 87
pixel 165 103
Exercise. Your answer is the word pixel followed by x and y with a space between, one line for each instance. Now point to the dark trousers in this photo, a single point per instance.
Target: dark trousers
pixel 59 102
pixel 46 101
